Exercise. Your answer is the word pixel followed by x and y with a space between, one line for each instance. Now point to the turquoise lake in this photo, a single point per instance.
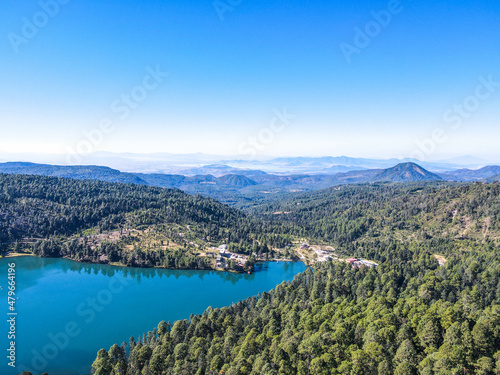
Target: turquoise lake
pixel 67 311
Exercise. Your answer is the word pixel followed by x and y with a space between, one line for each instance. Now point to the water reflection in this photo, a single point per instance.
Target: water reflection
pixel 65 266
pixel 139 273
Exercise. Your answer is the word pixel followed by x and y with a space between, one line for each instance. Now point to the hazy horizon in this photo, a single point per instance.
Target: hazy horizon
pixel 105 158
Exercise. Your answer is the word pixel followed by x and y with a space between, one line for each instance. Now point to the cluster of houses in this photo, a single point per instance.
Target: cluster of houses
pixel 322 254
pixel 225 256
pixel 326 253
pixel 358 262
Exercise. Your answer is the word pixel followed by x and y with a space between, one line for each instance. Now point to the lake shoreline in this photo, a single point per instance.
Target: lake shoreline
pixel 110 304
pixel 116 264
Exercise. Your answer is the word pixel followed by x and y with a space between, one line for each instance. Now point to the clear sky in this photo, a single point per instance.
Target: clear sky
pixel 362 78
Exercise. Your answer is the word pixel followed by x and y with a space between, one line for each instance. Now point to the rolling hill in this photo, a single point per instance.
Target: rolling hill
pixel 128 223
pixel 249 188
pixel 87 172
pixel 494 178
pixel 413 212
pixel 405 172
pixel 472 174
pixel 235 180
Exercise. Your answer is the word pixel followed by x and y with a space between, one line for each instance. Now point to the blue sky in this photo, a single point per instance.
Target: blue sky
pixel 228 77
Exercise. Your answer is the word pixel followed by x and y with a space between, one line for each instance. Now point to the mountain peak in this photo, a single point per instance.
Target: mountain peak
pixel 405 172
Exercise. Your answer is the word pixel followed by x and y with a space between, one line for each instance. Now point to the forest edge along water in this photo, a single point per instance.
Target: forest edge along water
pixel 68 310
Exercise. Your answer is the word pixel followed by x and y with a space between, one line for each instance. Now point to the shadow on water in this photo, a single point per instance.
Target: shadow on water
pixel 148 273
pixel 46 266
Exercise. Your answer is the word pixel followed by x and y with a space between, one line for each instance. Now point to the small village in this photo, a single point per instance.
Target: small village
pixel 309 254
pixel 325 253
pixel 225 256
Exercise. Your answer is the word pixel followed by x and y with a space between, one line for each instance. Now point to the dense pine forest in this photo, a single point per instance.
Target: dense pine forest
pixel 410 315
pixel 43 206
pixel 405 212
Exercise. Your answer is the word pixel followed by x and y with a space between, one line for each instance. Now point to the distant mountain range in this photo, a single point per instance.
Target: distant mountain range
pixel 237 185
pixel 219 170
pixel 218 165
pixel 331 164
pixel 471 174
pixel 183 182
pixel 94 172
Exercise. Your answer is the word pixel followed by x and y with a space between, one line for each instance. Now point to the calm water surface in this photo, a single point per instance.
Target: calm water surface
pixel 67 311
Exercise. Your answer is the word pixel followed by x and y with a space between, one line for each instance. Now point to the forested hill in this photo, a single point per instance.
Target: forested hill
pixel 385 212
pixel 79 172
pixel 42 206
pixel 132 224
pixel 241 188
pixel 405 172
pixel 135 224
